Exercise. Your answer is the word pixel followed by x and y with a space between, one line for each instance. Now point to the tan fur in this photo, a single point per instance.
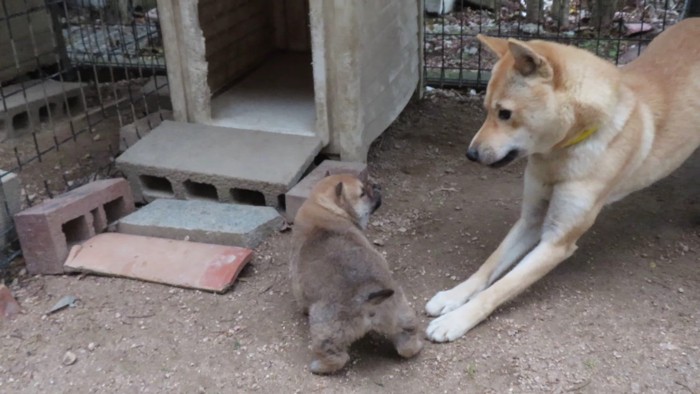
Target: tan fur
pixel 340 280
pixel 647 121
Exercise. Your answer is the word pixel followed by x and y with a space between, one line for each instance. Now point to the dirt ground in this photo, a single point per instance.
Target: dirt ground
pixel 621 315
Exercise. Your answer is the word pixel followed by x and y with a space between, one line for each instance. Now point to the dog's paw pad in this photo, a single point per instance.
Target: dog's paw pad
pixel 446 328
pixel 443 302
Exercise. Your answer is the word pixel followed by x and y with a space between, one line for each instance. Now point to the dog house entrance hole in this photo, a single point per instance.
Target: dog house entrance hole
pixel 260 70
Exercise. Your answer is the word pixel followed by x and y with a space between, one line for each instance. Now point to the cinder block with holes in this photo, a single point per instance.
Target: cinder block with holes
pixel 199 162
pixel 47 231
pixel 35 102
pixel 300 192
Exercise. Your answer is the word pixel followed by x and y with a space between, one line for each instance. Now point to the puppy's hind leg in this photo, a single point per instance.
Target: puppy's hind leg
pixel 520 239
pixel 329 338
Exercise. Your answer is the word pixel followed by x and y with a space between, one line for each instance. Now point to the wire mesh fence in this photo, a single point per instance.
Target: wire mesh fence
pixel 614 29
pixel 72 74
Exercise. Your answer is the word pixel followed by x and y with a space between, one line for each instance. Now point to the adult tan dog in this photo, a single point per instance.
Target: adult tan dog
pixel 340 280
pixel 592 132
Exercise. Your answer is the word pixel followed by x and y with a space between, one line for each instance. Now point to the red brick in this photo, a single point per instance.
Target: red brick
pixel 47 230
pixel 178 263
pixel 8 305
pixel 300 192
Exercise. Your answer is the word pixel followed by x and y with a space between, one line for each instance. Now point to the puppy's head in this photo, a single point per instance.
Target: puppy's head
pixel 524 115
pixel 347 196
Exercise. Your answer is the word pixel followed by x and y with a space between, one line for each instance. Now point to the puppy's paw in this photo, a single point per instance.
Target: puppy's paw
pixel 448 327
pixel 444 302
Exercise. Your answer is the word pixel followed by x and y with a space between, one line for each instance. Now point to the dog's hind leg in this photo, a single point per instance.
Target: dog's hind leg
pixel 521 239
pixel 571 213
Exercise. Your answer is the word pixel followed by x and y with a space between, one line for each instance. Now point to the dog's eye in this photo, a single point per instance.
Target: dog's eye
pixel 504 114
pixel 362 194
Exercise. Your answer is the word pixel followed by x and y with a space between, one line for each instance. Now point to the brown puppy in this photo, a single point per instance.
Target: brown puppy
pixel 340 280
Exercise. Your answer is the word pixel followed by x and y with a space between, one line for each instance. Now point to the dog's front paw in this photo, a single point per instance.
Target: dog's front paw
pixel 448 327
pixel 444 302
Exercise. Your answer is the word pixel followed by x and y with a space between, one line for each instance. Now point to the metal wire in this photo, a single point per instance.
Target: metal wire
pixel 71 75
pixel 454 58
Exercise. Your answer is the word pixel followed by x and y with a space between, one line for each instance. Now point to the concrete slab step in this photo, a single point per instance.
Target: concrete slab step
pixel 193 161
pixel 178 263
pixel 203 221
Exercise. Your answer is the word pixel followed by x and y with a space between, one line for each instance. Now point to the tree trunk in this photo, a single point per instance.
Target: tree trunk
pixel 560 13
pixel 534 10
pixel 602 12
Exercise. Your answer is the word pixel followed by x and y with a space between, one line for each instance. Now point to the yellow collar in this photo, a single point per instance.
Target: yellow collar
pixel 580 137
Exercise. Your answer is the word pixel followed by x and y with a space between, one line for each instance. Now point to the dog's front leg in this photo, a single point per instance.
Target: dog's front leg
pixel 572 211
pixel 521 238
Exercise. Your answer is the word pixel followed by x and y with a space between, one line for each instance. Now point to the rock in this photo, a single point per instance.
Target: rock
pixel 69 358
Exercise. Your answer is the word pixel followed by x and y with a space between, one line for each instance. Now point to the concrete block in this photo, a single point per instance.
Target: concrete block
pixel 47 230
pixel 203 221
pixel 131 133
pixel 10 202
pixel 179 263
pixel 199 162
pixel 300 192
pixel 39 102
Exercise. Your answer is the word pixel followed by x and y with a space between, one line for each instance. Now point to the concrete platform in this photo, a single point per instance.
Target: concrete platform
pixel 190 162
pixel 178 263
pixel 40 102
pixel 203 221
pixel 278 97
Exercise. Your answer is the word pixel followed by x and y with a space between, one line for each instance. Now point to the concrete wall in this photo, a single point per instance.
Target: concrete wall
pixel 32 35
pixel 373 70
pixel 238 35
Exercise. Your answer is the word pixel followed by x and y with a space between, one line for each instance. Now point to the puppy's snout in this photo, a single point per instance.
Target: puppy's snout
pixel 473 154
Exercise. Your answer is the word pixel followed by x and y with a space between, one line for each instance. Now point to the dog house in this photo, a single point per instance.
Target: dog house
pixel 260 87
pixel 335 69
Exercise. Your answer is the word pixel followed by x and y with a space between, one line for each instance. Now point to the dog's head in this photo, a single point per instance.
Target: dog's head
pixel 347 196
pixel 524 112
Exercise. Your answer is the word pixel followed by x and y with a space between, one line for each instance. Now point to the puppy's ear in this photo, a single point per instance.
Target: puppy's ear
pixel 527 61
pixel 339 189
pixel 377 297
pixel 498 46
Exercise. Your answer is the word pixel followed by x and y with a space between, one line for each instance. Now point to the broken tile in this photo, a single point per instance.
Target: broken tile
pixel 8 305
pixel 178 263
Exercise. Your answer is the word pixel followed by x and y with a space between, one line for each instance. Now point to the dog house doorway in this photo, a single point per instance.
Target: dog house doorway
pixel 260 65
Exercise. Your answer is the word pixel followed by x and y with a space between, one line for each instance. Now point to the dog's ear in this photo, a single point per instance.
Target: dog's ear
pixel 498 46
pixel 339 189
pixel 377 297
pixel 527 61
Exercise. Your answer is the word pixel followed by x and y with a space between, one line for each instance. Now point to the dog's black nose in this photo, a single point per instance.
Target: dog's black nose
pixel 473 154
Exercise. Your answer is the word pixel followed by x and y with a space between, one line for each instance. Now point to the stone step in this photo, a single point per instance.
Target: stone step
pixel 203 221
pixel 193 161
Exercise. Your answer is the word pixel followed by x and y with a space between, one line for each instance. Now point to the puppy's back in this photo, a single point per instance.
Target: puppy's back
pixel 337 267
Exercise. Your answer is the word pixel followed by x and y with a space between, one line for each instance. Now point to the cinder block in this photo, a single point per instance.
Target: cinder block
pixel 300 192
pixel 10 202
pixel 193 162
pixel 133 132
pixel 203 221
pixel 47 230
pixel 179 263
pixel 35 102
